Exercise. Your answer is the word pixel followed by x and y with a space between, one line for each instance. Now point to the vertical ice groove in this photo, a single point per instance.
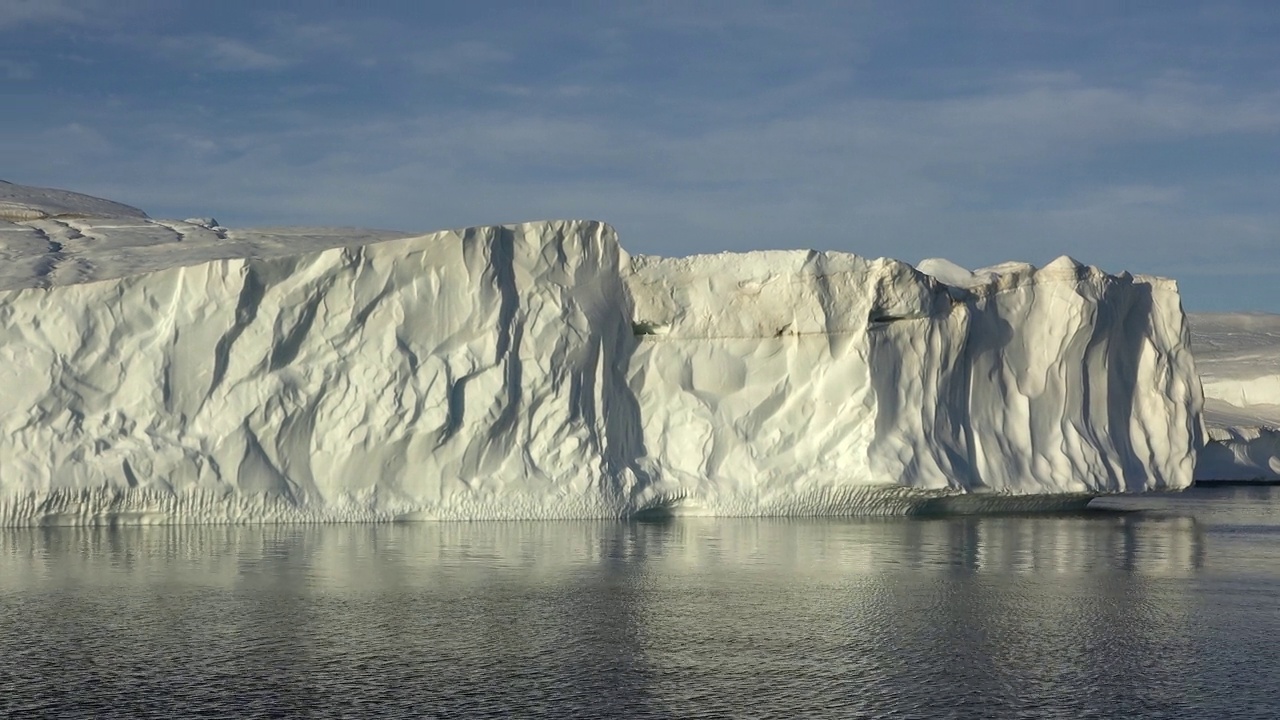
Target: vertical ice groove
pixel 251 293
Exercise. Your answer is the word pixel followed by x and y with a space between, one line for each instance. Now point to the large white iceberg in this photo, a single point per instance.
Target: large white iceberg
pixel 164 371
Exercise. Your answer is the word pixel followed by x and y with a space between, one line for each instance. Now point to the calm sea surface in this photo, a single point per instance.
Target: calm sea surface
pixel 1164 607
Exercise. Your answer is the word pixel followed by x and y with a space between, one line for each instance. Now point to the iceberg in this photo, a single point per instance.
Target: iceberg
pixel 164 371
pixel 1238 357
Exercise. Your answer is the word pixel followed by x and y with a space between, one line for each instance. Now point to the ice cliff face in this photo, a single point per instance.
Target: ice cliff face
pixel 458 375
pixel 789 381
pixel 160 371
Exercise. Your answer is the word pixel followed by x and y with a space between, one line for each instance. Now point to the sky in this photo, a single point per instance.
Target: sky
pixel 1139 136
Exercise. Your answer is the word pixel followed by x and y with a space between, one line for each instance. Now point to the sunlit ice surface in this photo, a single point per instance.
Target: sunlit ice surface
pixel 178 371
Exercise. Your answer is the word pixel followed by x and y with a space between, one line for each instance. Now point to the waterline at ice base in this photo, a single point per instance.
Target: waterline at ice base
pixel 180 372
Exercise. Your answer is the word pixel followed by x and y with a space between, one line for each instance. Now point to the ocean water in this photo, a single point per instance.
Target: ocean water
pixel 1153 607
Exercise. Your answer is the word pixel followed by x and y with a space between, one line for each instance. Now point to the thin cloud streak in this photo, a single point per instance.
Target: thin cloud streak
pixel 19 13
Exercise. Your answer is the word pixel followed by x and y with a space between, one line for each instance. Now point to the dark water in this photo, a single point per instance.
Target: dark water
pixel 1168 610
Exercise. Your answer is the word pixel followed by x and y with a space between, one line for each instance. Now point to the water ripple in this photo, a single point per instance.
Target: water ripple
pixel 1162 612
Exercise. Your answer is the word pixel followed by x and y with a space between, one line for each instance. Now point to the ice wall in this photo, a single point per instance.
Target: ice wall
pixel 456 375
pixel 161 371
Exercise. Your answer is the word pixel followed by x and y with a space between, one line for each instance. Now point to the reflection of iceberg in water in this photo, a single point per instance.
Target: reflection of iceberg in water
pixel 359 555
pixel 1172 546
pixel 985 611
pixel 613 619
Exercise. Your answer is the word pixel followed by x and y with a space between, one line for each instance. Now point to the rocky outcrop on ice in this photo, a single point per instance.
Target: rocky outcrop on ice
pixel 162 371
pixel 1238 357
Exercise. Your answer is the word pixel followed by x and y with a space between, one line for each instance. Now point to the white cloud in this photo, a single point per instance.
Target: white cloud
pixel 17 13
pixel 19 71
pixel 56 15
pixel 232 54
pixel 221 53
pixel 462 58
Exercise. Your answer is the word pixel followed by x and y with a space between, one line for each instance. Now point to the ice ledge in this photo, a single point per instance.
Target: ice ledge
pixel 108 506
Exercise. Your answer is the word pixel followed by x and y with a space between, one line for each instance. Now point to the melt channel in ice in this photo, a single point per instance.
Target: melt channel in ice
pixel 165 371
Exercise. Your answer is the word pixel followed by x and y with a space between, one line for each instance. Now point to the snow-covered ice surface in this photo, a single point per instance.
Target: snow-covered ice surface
pixel 53 237
pixel 23 202
pixel 164 371
pixel 1238 357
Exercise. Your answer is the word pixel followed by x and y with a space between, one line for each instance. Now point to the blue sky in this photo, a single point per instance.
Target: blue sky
pixel 1140 136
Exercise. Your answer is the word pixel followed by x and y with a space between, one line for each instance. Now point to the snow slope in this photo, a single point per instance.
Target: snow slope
pixel 23 202
pixel 162 371
pixel 1238 357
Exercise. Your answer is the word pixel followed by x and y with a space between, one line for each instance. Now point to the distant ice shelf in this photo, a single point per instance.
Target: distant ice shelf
pixel 1238 358
pixel 166 371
